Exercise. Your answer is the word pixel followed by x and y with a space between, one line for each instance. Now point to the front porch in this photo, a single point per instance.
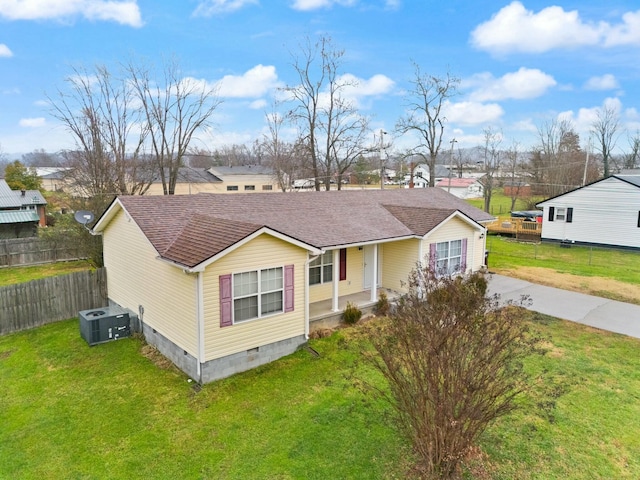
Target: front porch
pixel 321 314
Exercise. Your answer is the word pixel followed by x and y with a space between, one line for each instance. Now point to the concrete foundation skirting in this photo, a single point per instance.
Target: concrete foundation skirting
pixel 225 366
pixel 242 361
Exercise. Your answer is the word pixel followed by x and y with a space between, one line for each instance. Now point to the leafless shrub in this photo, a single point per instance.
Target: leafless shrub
pixel 453 361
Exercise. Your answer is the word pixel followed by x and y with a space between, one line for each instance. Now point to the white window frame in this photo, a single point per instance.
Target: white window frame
pixel 443 264
pixel 260 294
pixel 561 214
pixel 325 263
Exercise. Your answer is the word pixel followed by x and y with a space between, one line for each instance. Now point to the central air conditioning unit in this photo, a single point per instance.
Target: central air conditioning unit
pixel 105 324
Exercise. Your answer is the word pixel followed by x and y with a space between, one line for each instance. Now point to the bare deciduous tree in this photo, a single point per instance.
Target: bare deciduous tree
pixel 328 122
pixel 173 112
pixel 98 110
pixel 559 160
pixel 280 155
pixel 632 159
pixel 426 118
pixel 605 129
pixel 491 150
pixel 452 359
pixel 514 171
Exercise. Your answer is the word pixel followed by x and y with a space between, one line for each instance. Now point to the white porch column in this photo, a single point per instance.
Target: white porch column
pixel 374 274
pixel 336 280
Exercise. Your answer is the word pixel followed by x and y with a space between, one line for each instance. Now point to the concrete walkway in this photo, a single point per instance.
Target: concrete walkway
pixel 602 313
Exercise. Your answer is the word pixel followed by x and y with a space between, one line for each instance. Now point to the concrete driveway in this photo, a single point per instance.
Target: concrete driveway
pixel 618 317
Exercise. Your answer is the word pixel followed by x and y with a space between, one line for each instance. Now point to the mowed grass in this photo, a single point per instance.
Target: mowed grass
pixel 11 275
pixel 68 410
pixel 72 411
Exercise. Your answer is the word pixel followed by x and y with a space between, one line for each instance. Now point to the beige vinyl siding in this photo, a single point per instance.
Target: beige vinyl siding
pixel 352 284
pixel 399 259
pixel 457 229
pixel 264 251
pixel 186 188
pixel 135 277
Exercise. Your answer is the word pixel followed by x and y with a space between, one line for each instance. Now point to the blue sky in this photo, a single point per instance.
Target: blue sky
pixel 521 63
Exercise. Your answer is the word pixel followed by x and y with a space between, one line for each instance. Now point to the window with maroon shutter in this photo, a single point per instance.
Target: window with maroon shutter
pixel 255 294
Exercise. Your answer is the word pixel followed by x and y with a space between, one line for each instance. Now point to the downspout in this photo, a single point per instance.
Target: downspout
pixel 200 323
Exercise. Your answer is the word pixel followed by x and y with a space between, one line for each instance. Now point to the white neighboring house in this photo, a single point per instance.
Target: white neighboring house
pixel 605 212
pixel 462 187
pixel 421 175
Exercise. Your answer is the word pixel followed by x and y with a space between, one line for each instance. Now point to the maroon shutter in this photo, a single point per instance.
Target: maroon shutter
pixel 552 212
pixel 569 215
pixel 432 257
pixel 288 288
pixel 226 300
pixel 463 260
pixel 343 264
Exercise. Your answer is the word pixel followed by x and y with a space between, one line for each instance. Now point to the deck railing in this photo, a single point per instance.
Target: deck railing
pixel 517 227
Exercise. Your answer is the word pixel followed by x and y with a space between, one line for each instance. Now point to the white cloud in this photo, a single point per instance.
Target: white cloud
pixel 307 5
pixel 358 87
pixel 208 8
pixel 523 84
pixel 124 12
pixel 605 82
pixel 626 33
pixel 472 113
pixel 516 29
pixel 32 122
pixel 5 51
pixel 254 83
pixel 258 104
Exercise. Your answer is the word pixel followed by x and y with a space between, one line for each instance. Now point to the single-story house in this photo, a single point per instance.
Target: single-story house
pixel 21 212
pixel 421 175
pixel 223 283
pixel 462 187
pixel 517 188
pixel 605 212
pixel 245 179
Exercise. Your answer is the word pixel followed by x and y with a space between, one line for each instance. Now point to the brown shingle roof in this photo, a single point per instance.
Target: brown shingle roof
pixel 189 229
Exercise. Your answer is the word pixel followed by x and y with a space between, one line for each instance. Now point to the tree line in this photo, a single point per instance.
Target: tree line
pixel 137 125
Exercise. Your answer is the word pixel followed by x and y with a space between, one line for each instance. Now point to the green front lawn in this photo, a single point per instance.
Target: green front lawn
pixel 72 411
pixel 621 265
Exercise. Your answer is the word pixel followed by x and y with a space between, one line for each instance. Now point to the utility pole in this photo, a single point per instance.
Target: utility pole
pixel 453 141
pixel 382 133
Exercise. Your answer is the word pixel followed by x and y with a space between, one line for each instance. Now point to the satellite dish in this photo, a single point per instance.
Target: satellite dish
pixel 83 217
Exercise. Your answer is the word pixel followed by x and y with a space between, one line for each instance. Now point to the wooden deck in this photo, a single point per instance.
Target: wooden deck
pixel 519 228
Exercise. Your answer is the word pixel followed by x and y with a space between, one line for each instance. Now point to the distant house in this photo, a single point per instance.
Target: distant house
pixel 53 178
pixel 605 212
pixel 246 179
pixel 421 175
pixel 190 180
pixel 21 212
pixel 462 187
pixel 517 188
pixel 236 179
pixel 224 283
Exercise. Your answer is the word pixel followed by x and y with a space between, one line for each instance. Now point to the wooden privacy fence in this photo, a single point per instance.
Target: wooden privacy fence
pixel 36 303
pixel 32 251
